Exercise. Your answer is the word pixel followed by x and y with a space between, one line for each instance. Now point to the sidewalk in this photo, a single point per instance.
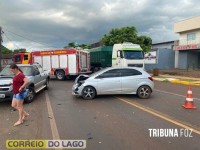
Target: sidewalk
pixel 178 79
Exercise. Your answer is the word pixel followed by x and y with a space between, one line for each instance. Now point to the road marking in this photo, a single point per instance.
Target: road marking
pixel 175 94
pixel 158 114
pixel 53 125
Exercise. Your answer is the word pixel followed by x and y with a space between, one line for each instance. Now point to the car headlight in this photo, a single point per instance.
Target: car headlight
pixel 11 87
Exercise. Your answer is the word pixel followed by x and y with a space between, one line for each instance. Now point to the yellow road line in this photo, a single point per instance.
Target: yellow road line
pixel 155 113
pixel 53 125
pixel 175 94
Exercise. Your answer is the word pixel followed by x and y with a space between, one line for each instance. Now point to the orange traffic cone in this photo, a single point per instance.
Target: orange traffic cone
pixel 189 100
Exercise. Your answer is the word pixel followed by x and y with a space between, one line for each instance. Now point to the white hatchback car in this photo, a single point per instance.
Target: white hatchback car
pixel 114 80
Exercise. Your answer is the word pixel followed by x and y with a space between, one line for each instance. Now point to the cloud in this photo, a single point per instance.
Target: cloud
pixel 10 45
pixel 56 23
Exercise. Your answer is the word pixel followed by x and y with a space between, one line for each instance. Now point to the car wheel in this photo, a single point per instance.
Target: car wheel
pixel 88 92
pixel 144 92
pixel 30 95
pixel 60 75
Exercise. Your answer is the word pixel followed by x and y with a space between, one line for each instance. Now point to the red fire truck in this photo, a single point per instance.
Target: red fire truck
pixel 60 63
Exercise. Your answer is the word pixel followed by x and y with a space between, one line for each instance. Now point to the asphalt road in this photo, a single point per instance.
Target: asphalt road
pixel 120 122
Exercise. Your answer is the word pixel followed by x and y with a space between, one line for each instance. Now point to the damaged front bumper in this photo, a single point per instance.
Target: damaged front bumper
pixel 77 90
pixel 78 85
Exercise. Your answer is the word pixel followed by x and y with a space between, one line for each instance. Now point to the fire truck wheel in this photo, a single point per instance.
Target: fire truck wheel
pixel 60 75
pixel 30 95
pixel 88 92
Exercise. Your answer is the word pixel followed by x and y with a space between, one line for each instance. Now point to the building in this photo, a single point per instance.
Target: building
pixel 6 59
pixel 187 49
pixel 161 56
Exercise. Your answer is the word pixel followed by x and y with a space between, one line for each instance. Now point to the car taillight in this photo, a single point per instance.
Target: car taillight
pixel 150 78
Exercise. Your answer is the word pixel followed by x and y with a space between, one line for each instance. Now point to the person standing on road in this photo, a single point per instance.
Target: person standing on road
pixel 19 92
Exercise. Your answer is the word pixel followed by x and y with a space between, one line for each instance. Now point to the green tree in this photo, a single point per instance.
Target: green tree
pixel 73 44
pixel 85 46
pixel 126 34
pixel 19 50
pixel 145 42
pixel 6 50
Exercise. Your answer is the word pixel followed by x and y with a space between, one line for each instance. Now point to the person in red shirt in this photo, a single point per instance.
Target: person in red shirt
pixel 19 92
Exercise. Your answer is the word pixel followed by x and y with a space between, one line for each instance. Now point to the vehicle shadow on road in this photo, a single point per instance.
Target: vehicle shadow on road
pixel 5 103
pixel 97 98
pixel 114 97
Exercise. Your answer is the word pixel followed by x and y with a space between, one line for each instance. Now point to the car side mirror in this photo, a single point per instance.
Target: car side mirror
pixel 36 73
pixel 118 53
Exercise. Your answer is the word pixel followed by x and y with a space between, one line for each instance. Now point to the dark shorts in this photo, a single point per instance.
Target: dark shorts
pixel 20 96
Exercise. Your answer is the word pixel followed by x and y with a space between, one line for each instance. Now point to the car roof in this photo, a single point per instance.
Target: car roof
pixel 136 68
pixel 24 65
pixel 111 68
pixel 32 64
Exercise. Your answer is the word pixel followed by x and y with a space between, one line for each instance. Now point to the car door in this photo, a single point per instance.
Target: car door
pixel 130 80
pixel 37 78
pixel 109 82
pixel 43 75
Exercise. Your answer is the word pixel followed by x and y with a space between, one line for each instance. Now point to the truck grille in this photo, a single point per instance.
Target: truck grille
pixel 4 89
pixel 135 65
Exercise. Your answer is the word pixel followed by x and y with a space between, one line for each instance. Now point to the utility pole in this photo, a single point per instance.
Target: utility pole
pixel 0 47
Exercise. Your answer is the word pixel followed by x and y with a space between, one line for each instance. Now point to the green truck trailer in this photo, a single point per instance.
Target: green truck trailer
pixel 124 54
pixel 100 57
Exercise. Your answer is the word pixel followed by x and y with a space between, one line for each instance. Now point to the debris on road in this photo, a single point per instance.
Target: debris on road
pixel 89 136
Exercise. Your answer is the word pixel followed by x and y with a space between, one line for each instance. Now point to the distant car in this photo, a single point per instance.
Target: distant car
pixel 38 80
pixel 114 80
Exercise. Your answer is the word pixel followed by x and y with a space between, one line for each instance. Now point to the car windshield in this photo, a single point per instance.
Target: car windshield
pixel 6 72
pixel 27 71
pixel 133 54
pixel 97 72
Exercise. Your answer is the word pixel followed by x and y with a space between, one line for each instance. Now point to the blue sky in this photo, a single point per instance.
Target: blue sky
pixel 53 24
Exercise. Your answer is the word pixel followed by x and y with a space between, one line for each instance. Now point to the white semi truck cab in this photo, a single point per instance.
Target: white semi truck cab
pixel 127 54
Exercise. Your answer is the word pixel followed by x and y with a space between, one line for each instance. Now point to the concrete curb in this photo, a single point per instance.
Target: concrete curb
pixel 178 81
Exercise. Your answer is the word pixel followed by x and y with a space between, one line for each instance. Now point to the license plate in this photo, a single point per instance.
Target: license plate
pixel 2 95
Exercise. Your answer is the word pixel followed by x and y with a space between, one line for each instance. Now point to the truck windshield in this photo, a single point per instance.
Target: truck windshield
pixel 133 54
pixel 17 58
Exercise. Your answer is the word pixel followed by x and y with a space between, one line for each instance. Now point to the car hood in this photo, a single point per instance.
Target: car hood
pixel 5 80
pixel 81 78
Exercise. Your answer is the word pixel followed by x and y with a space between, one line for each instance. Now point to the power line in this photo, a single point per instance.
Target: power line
pixel 11 41
pixel 29 39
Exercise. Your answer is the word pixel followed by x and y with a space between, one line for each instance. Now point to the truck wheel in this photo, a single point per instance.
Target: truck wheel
pixel 60 75
pixel 144 92
pixel 30 95
pixel 88 92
